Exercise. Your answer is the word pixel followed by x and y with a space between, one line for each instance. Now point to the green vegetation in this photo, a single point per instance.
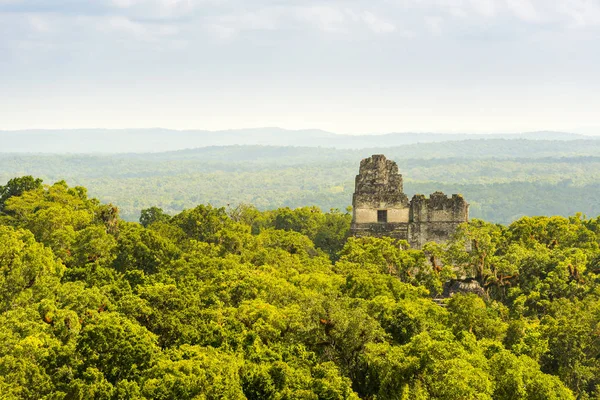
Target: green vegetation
pixel 237 303
pixel 503 180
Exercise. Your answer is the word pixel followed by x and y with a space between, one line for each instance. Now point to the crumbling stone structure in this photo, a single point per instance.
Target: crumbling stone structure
pixel 380 207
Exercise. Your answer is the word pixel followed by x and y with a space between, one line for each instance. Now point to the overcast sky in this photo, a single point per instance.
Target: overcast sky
pixel 348 66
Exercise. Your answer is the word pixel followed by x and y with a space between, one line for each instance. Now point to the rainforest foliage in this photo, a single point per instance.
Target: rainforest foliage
pixel 503 180
pixel 237 303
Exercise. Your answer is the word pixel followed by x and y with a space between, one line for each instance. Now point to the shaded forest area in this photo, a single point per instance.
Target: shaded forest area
pixel 238 303
pixel 502 179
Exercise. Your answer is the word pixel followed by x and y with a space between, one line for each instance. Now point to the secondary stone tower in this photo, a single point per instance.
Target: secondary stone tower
pixel 380 207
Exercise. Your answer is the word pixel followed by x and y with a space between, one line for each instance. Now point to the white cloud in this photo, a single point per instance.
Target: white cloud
pixel 125 28
pixel 574 13
pixel 377 24
pixel 327 18
pixel 222 31
pixel 123 24
pixel 163 9
pixel 154 3
pixel 229 26
pixel 344 19
pixel 201 21
pixel 524 10
pixel 39 23
pixel 581 13
pixel 434 23
pixel 125 3
pixel 487 8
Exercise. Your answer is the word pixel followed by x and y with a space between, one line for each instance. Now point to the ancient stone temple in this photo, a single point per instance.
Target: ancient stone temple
pixel 380 207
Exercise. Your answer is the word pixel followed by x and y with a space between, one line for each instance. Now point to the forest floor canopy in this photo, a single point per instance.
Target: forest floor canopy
pixel 502 179
pixel 238 303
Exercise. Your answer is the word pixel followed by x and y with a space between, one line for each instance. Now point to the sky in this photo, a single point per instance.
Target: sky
pixel 347 66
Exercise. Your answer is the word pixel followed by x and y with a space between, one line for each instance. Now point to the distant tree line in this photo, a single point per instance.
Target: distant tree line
pixel 550 178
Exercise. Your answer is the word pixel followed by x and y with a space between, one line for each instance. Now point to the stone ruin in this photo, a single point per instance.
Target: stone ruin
pixel 463 286
pixel 380 207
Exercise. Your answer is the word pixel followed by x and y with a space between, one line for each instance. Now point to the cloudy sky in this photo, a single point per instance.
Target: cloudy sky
pixel 349 66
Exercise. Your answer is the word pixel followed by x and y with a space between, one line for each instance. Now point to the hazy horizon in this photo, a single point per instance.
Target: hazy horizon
pixel 588 131
pixel 161 140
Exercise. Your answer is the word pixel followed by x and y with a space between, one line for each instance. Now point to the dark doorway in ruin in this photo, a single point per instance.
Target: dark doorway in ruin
pixel 382 216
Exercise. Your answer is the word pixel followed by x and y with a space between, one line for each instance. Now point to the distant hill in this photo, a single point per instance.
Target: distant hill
pixel 160 140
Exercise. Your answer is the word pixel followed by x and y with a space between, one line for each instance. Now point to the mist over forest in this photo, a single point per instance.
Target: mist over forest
pixel 160 140
pixel 504 177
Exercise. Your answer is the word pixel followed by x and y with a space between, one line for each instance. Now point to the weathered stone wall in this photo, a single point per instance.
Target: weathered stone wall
pixel 438 208
pixel 436 218
pixel 379 186
pixel 396 214
pixel 379 175
pixel 394 230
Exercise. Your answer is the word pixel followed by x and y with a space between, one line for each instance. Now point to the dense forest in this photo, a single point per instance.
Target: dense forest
pixel 239 303
pixel 503 180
